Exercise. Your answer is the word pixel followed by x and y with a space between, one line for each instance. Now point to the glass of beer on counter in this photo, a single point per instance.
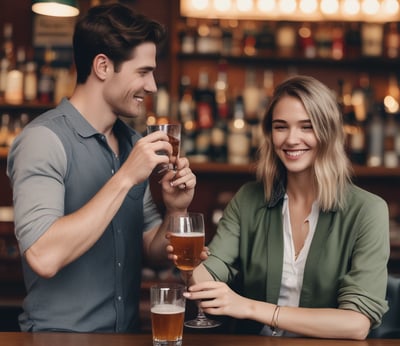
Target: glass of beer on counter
pixel 173 132
pixel 167 314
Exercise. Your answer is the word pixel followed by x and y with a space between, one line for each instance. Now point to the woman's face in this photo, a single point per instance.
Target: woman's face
pixel 293 136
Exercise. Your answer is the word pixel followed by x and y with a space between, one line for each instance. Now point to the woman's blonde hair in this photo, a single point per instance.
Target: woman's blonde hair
pixel 332 167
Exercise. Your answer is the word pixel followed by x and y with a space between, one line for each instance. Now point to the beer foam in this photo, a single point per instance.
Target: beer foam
pixel 188 234
pixel 167 309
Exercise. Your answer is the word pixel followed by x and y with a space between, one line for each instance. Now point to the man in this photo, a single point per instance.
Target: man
pixel 84 214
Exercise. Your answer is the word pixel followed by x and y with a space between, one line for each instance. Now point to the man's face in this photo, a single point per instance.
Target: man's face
pixel 125 90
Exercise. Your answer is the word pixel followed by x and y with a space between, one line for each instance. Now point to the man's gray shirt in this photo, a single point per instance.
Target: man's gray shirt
pixel 57 164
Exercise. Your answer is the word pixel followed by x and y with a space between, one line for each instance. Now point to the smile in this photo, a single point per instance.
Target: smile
pixel 138 98
pixel 296 153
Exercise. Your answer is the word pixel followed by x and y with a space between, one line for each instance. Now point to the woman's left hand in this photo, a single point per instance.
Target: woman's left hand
pixel 217 298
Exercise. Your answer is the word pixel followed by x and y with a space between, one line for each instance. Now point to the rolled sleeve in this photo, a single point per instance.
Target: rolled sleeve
pixel 37 165
pixel 363 288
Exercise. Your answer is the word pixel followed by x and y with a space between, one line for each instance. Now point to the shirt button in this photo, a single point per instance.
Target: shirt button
pixel 112 171
pixel 119 264
pixel 119 298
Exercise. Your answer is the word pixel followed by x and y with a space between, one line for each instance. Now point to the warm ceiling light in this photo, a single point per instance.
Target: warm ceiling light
pixel 266 5
pixel 287 6
pixel 308 6
pixel 351 7
pixel 370 7
pixel 59 8
pixel 329 6
pixel 244 5
pixel 294 10
pixel 222 5
pixel 390 7
pixel 199 4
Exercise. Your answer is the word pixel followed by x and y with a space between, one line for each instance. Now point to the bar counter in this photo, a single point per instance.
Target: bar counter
pixel 198 339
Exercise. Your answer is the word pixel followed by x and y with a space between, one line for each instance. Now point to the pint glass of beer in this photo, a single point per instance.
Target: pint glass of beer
pixel 173 132
pixel 167 314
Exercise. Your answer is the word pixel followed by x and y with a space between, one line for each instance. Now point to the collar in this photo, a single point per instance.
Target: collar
pixel 86 130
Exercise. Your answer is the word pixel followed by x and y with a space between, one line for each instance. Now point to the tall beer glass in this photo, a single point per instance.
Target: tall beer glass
pixel 187 239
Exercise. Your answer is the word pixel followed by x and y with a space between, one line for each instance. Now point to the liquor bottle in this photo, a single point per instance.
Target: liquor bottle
pixel 338 47
pixel 249 39
pixel 187 117
pixel 372 39
pixel 323 41
pixel 46 78
pixel 392 41
pixel 353 41
pixel 205 102
pixel 251 99
pixel 238 136
pixel 4 129
pixel 266 92
pixel 30 82
pixel 265 40
pixel 375 133
pixel 14 93
pixel 162 105
pixel 306 41
pixel 219 130
pixel 286 39
pixel 390 158
pixel 205 115
pixel 6 57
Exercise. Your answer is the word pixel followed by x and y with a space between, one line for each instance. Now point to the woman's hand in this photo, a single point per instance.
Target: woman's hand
pixel 216 298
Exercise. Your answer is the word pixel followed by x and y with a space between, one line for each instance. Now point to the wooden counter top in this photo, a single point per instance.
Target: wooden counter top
pixel 198 339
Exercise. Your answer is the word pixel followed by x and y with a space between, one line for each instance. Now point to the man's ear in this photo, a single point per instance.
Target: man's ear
pixel 101 66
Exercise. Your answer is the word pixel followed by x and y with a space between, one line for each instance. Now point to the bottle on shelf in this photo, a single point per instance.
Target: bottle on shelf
pixel 205 115
pixel 238 135
pixel 251 98
pixel 30 82
pixel 306 41
pixel 6 57
pixel 250 39
pixel 375 137
pixel 323 40
pixel 360 100
pixel 390 158
pixel 14 93
pixel 4 129
pixel 187 117
pixel 353 41
pixel 265 40
pixel 392 41
pixel 46 78
pixel 286 40
pixel 338 44
pixel 162 105
pixel 372 39
pixel 219 130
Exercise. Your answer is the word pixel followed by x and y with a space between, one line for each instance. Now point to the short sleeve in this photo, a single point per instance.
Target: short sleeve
pixel 37 164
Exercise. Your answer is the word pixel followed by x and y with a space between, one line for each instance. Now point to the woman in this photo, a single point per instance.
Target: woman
pixel 302 251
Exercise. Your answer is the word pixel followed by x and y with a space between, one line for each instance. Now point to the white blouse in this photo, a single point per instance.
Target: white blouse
pixel 293 269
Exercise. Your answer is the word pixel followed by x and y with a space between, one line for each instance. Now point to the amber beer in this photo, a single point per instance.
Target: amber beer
pixel 187 248
pixel 167 323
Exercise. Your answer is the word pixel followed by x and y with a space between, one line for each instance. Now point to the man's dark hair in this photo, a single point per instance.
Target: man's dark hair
pixel 114 30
